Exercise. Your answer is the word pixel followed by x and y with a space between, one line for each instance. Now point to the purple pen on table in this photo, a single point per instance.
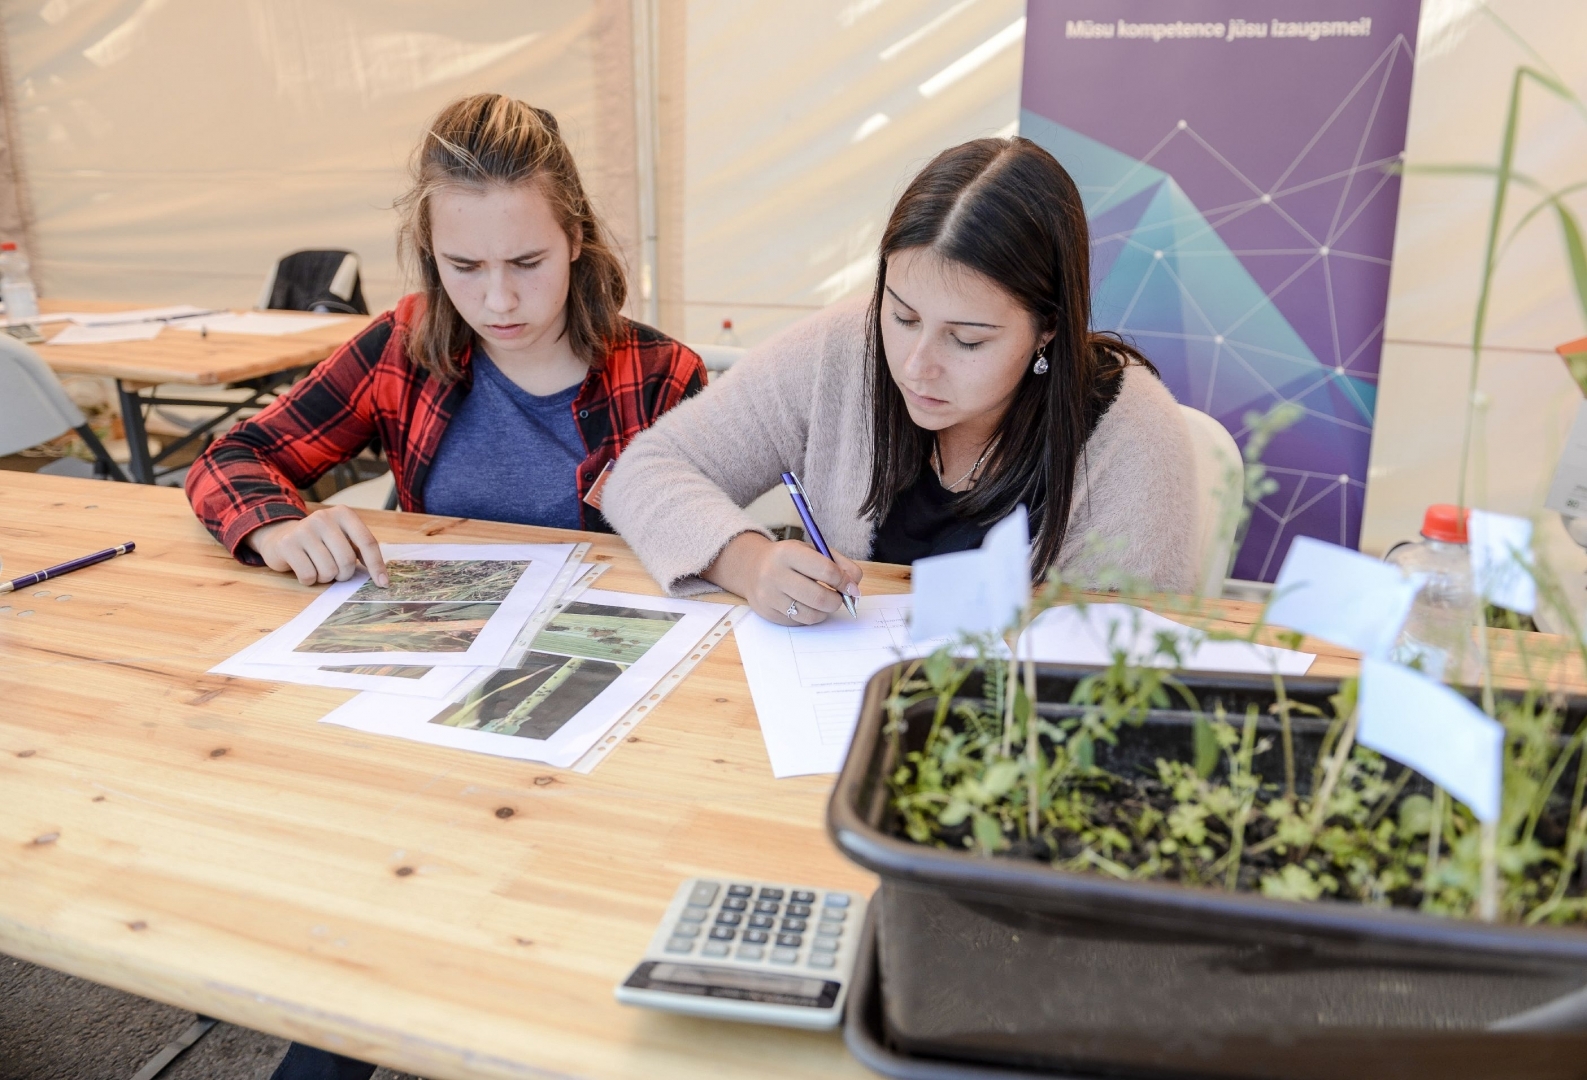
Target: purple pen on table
pixel 65 568
pixel 801 502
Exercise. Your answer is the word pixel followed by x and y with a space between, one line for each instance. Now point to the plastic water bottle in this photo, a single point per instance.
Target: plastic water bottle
pixel 726 336
pixel 1439 635
pixel 16 286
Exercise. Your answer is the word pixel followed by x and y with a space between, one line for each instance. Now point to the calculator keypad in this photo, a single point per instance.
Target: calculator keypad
pixel 761 924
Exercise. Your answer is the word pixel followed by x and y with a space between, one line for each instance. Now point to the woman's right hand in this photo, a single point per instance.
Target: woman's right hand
pixel 771 574
pixel 326 546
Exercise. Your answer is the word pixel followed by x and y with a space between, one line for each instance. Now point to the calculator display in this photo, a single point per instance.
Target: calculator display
pixel 735 983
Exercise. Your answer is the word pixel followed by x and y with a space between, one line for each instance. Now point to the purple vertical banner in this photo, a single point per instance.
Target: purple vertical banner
pixel 1239 174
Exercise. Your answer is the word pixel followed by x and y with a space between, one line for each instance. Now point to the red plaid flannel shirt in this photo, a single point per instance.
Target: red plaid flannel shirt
pixel 369 389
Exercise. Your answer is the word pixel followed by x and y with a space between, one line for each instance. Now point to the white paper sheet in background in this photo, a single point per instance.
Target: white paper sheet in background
pixel 546 671
pixel 807 682
pixel 1501 560
pixel 138 315
pixel 106 335
pixel 459 632
pixel 266 324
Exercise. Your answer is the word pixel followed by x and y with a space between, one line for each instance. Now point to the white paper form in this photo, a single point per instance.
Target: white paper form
pixel 465 611
pixel 262 323
pixel 594 662
pixel 139 315
pixel 807 682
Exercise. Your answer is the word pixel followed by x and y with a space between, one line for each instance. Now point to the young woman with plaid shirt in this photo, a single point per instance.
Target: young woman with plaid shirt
pixel 502 389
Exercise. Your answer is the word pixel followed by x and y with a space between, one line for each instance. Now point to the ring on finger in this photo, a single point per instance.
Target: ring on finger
pixel 793 609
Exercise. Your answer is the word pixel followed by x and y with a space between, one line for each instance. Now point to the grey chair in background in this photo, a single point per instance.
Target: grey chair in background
pixel 34 409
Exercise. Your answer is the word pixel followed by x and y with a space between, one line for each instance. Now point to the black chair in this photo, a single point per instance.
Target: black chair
pixel 323 281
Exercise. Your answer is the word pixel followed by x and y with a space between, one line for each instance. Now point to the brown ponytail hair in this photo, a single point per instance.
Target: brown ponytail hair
pixel 1006 209
pixel 490 139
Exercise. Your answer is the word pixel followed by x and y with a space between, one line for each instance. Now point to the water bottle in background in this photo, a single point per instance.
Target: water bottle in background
pixel 1439 636
pixel 726 335
pixel 16 286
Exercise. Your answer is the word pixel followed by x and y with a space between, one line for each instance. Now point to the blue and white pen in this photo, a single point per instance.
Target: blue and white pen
pixel 801 502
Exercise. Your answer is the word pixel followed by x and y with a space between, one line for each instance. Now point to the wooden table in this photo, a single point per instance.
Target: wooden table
pixel 204 842
pixel 258 362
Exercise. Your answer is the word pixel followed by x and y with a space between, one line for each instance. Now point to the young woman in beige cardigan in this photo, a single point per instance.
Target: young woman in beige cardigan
pixel 971 384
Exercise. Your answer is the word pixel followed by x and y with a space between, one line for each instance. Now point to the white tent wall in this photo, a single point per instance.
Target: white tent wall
pixel 174 148
pixel 1467 58
pixel 805 120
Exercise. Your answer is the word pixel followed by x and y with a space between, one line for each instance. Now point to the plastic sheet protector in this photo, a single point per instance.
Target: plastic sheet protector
pixel 808 681
pixel 417 679
pixel 594 661
pixel 448 605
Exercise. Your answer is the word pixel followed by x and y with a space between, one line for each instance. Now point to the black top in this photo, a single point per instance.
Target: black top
pixel 926 518
pixel 925 521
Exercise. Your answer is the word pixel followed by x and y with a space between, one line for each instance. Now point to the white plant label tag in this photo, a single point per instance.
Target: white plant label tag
pixel 1341 596
pixel 974 592
pixel 1406 716
pixel 1568 493
pixel 1501 557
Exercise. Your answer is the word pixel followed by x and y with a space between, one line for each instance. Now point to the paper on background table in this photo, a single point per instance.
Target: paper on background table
pixel 1426 725
pixel 807 682
pixel 503 618
pixel 107 334
pixel 1341 596
pixel 419 680
pixel 414 718
pixel 1071 636
pixel 138 315
pixel 263 323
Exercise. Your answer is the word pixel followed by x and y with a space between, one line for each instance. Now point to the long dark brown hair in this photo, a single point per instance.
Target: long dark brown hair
pixel 1006 209
pixel 490 139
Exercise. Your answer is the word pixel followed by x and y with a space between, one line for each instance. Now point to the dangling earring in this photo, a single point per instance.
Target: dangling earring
pixel 1040 367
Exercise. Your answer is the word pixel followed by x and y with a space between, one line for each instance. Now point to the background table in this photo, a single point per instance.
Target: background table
pixel 203 841
pixel 260 363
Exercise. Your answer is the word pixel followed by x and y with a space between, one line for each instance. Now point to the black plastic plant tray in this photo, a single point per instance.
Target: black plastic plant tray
pixel 1012 963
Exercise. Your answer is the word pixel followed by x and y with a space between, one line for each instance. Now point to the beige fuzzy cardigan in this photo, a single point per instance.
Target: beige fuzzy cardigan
pixel 798 403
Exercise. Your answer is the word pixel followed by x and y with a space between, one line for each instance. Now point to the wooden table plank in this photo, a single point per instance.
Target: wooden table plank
pixel 186 357
pixel 203 841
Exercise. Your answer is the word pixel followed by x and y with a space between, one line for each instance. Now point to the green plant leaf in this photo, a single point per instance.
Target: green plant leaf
pixel 1574 247
pixel 1000 778
pixel 1207 749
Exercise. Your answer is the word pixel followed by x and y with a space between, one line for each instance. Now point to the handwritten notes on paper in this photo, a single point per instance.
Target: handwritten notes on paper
pixel 1341 596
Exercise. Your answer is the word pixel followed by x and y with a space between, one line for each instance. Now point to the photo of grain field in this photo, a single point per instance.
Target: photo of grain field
pixel 580 652
pixel 601 632
pixel 443 580
pixel 399 628
pixel 534 699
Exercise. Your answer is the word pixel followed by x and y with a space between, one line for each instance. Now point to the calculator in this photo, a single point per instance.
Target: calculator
pixel 754 951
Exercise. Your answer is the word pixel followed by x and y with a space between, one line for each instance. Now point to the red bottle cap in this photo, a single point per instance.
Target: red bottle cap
pixel 727 324
pixel 8 246
pixel 1446 523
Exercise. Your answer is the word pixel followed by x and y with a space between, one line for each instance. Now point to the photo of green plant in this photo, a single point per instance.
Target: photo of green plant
pixel 389 671
pixel 598 632
pixel 534 699
pixel 580 652
pixel 443 580
pixel 399 628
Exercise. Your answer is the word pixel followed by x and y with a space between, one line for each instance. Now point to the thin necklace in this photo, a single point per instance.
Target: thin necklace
pixel 936 465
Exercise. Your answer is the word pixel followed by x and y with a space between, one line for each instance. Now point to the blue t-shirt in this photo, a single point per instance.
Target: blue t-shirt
pixel 509 455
